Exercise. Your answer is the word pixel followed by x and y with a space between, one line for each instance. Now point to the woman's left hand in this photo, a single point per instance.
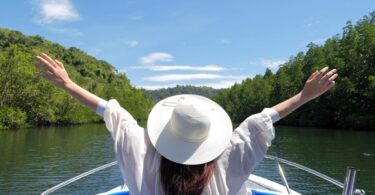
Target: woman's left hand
pixel 53 70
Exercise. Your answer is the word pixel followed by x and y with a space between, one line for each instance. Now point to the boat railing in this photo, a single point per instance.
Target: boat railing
pixel 350 178
pixel 348 187
pixel 78 177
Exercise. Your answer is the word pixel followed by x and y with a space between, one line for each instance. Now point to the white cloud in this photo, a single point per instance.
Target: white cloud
pixel 269 63
pixel 179 77
pixel 216 85
pixel 156 57
pixel 149 63
pixel 211 67
pixel 133 43
pixel 57 10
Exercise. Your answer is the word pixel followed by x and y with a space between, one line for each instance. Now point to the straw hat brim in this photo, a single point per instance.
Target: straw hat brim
pixel 185 152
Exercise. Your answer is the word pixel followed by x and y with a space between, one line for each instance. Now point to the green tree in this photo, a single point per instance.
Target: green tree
pixel 350 104
pixel 26 100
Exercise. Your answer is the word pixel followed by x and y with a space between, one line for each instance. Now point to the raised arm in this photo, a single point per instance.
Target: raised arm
pixel 318 83
pixel 55 73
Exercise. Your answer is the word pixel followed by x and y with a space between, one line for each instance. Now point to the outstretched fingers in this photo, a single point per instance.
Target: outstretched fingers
pixel 322 72
pixel 329 85
pixel 331 80
pixel 312 76
pixel 60 64
pixel 333 77
pixel 329 74
pixel 49 59
pixel 44 64
pixel 39 65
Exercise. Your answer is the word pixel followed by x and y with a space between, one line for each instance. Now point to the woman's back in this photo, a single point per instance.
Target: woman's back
pixel 140 162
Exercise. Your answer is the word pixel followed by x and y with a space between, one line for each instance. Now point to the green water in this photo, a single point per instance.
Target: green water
pixel 33 160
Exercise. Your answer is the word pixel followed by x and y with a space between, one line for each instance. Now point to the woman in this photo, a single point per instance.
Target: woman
pixel 189 146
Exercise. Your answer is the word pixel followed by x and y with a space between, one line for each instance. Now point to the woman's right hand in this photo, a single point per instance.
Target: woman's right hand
pixel 52 70
pixel 318 83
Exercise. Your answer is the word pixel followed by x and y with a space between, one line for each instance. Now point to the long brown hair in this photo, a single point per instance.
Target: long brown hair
pixel 185 179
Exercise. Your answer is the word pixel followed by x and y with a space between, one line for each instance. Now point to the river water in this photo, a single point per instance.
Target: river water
pixel 34 160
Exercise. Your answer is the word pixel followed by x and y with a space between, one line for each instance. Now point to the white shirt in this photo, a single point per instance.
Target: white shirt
pixel 139 161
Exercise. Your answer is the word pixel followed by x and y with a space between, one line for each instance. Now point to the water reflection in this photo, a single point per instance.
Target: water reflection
pixel 35 159
pixel 328 151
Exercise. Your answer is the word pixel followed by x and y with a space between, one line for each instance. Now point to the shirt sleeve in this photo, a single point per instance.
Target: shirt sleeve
pixel 272 113
pixel 135 154
pixel 116 118
pixel 248 145
pixel 101 107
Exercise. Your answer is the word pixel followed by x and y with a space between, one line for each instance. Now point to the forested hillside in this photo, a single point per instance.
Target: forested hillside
pixel 350 104
pixel 26 100
pixel 182 89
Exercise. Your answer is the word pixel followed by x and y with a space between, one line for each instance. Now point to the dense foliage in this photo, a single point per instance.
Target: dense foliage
pixel 182 89
pixel 350 104
pixel 26 100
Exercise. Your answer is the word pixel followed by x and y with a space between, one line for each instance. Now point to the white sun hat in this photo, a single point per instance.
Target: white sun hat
pixel 189 129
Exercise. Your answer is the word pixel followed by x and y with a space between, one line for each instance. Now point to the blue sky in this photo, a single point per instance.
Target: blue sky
pixel 164 43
